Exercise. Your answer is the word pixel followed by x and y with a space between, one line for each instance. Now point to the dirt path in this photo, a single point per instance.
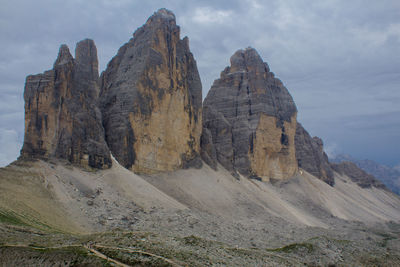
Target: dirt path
pixel 142 252
pixel 95 252
pixel 101 255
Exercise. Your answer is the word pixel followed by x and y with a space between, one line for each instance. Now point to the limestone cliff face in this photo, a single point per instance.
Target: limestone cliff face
pixel 62 119
pixel 251 118
pixel 151 99
pixel 311 156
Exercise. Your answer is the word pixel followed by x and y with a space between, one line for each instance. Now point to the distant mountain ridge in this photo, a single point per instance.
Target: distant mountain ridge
pixel 390 176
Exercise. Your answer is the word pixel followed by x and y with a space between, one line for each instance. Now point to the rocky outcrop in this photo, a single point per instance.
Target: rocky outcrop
pixel 389 176
pixel 62 119
pixel 311 157
pixel 250 118
pixel 357 175
pixel 151 99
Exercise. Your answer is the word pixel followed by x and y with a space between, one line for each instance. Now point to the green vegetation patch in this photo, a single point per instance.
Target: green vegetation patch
pixel 294 247
pixel 193 240
pixel 135 259
pixel 38 256
pixel 10 218
pixel 330 239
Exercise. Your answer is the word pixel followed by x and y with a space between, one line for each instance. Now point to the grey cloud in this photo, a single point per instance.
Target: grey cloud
pixel 373 136
pixel 339 59
pixel 10 146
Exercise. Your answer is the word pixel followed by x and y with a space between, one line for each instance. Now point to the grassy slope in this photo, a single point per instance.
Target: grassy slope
pixel 25 199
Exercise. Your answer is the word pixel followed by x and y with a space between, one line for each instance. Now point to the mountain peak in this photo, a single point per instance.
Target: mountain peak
pixel 162 20
pixel 64 55
pixel 85 49
pixel 86 59
pixel 162 15
pixel 246 60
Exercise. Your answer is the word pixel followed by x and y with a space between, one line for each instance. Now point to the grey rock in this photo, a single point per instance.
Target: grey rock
pixel 233 107
pixel 357 175
pixel 62 118
pixel 217 139
pixel 389 176
pixel 151 99
pixel 208 152
pixel 192 163
pixel 311 157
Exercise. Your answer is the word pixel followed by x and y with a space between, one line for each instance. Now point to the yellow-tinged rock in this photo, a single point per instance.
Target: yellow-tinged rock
pixel 151 100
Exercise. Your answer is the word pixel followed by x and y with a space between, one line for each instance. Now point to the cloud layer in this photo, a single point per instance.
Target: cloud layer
pixel 339 59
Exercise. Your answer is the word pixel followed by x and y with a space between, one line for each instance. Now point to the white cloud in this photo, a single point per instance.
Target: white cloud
pixel 331 149
pixel 207 15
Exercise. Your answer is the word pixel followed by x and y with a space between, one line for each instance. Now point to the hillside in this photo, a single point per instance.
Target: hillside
pixel 211 205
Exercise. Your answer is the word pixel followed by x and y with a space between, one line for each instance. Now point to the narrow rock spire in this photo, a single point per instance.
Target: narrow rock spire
pixel 64 56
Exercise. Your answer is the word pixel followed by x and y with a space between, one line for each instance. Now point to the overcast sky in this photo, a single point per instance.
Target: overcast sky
pixel 339 59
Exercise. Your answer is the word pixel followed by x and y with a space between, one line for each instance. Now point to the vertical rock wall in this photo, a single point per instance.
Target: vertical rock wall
pixel 151 99
pixel 62 118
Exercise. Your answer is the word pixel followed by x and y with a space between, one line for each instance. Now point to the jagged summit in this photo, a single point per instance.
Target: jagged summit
pixel 162 14
pixel 161 23
pixel 162 20
pixel 64 56
pixel 247 60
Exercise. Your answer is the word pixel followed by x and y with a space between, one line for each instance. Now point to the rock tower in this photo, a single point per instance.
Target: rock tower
pixel 62 118
pixel 250 118
pixel 151 99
